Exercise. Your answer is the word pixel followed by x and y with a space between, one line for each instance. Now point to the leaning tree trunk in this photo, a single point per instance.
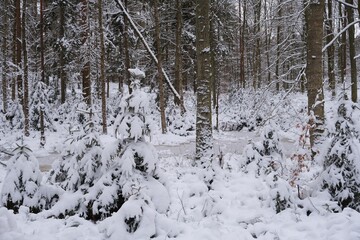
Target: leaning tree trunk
pixel 204 141
pixel 314 69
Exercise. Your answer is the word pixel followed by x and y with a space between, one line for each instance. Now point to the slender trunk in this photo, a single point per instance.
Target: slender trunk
pixel 42 128
pixel 25 69
pixel 159 67
pixel 42 47
pixel 351 32
pixel 18 51
pixel 14 43
pixel 102 68
pixel 5 54
pixel 343 42
pixel 85 71
pixel 242 47
pixel 278 41
pixel 62 53
pixel 330 49
pixel 314 69
pixel 178 56
pixel 126 50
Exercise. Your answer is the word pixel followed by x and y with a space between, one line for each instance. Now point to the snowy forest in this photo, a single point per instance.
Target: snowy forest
pixel 179 119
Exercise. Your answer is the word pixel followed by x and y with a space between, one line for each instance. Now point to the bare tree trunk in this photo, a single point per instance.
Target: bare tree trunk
pixel 257 58
pixel 126 50
pixel 14 43
pixel 342 46
pixel 204 141
pixel 351 32
pixel 330 49
pixel 102 68
pixel 42 128
pixel 25 69
pixel 278 41
pixel 18 50
pixel 85 71
pixel 178 56
pixel 242 46
pixel 62 54
pixel 314 69
pixel 159 67
pixel 42 47
pixel 5 55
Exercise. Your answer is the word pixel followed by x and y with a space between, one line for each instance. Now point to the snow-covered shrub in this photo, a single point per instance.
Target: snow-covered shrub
pixel 182 124
pixel 341 175
pixel 81 163
pixel 39 102
pixel 132 171
pixel 15 115
pixel 22 181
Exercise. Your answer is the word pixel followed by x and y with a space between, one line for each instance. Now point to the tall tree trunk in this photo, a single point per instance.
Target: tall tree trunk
pixel 204 141
pixel 242 45
pixel 5 55
pixel 257 58
pixel 159 66
pixel 178 56
pixel 62 54
pixel 102 68
pixel 126 50
pixel 351 32
pixel 85 71
pixel 42 46
pixel 278 41
pixel 25 69
pixel 342 46
pixel 18 50
pixel 14 43
pixel 314 69
pixel 330 49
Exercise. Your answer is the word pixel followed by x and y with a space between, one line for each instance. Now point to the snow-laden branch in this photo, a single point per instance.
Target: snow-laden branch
pixel 347 4
pixel 119 3
pixel 339 34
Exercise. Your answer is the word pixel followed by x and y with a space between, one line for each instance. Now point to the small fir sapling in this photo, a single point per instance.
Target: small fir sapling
pixel 341 175
pixel 39 102
pixel 15 115
pixel 131 179
pixel 22 181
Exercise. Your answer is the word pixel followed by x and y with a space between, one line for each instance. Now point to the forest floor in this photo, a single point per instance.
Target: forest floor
pixel 239 206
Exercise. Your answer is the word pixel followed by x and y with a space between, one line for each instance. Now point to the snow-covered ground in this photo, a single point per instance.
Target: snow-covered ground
pixel 239 206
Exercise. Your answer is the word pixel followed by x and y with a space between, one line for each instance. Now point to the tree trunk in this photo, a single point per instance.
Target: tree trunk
pixel 42 47
pixel 314 69
pixel 351 32
pixel 62 54
pixel 25 69
pixel 126 50
pixel 204 141
pixel 178 56
pixel 102 69
pixel 242 46
pixel 18 50
pixel 85 71
pixel 14 43
pixel 159 67
pixel 278 41
pixel 330 49
pixel 5 54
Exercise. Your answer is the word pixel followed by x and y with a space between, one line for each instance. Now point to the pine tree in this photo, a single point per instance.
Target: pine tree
pixel 342 170
pixel 22 181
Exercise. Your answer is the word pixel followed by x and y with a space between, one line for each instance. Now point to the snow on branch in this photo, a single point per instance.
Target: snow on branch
pixel 119 3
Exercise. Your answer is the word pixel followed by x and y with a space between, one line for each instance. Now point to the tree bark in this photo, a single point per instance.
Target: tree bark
pixel 314 69
pixel 278 41
pixel 204 141
pixel 126 49
pixel 5 55
pixel 330 49
pixel 159 67
pixel 102 68
pixel 85 71
pixel 178 56
pixel 18 50
pixel 351 34
pixel 25 69
pixel 62 54
pixel 42 47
